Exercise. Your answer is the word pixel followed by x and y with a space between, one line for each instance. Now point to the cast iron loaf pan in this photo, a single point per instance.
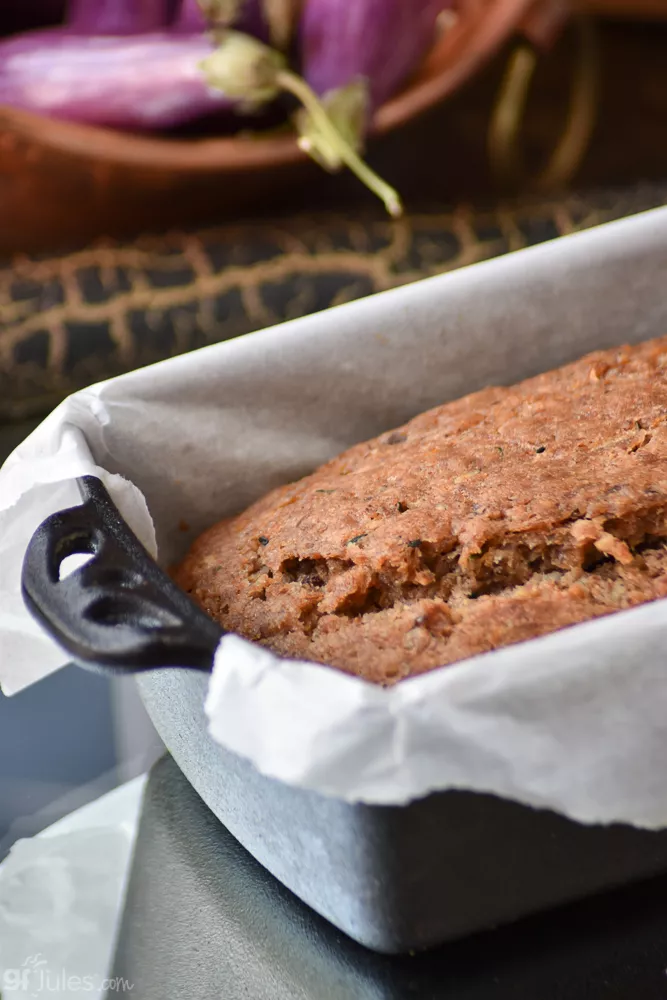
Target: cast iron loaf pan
pixel 392 878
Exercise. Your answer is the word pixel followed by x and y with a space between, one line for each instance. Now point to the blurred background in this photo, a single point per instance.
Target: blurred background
pixel 141 217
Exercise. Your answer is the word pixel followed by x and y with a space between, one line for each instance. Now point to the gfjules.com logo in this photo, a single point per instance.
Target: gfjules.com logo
pixel 37 978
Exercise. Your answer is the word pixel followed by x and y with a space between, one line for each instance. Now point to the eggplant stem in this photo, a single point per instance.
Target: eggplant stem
pixel 299 88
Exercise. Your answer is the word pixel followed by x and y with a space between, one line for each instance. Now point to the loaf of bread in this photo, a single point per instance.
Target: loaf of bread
pixel 487 521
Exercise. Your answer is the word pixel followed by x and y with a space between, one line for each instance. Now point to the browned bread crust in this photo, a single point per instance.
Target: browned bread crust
pixel 499 517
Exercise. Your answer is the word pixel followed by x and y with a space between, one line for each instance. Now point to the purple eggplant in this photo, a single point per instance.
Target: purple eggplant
pixel 117 17
pixel 190 18
pixel 381 41
pixel 251 19
pixel 150 81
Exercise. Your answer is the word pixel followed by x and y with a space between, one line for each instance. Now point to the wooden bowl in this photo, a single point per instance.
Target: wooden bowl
pixel 63 184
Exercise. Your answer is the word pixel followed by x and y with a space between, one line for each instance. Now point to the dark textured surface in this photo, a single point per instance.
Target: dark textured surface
pixel 396 878
pixel 67 321
pixel 204 921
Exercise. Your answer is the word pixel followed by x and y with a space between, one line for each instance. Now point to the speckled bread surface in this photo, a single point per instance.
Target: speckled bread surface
pixel 497 518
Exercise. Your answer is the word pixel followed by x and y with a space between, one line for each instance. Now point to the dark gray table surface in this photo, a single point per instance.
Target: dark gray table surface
pixel 204 920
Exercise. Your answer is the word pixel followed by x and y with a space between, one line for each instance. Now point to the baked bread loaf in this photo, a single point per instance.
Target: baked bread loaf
pixel 490 520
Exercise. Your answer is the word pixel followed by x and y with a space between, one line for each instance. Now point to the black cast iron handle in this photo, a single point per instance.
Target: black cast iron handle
pixel 119 612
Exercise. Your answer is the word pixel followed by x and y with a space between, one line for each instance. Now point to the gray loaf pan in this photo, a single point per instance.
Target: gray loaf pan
pixel 392 878
pixel 396 878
